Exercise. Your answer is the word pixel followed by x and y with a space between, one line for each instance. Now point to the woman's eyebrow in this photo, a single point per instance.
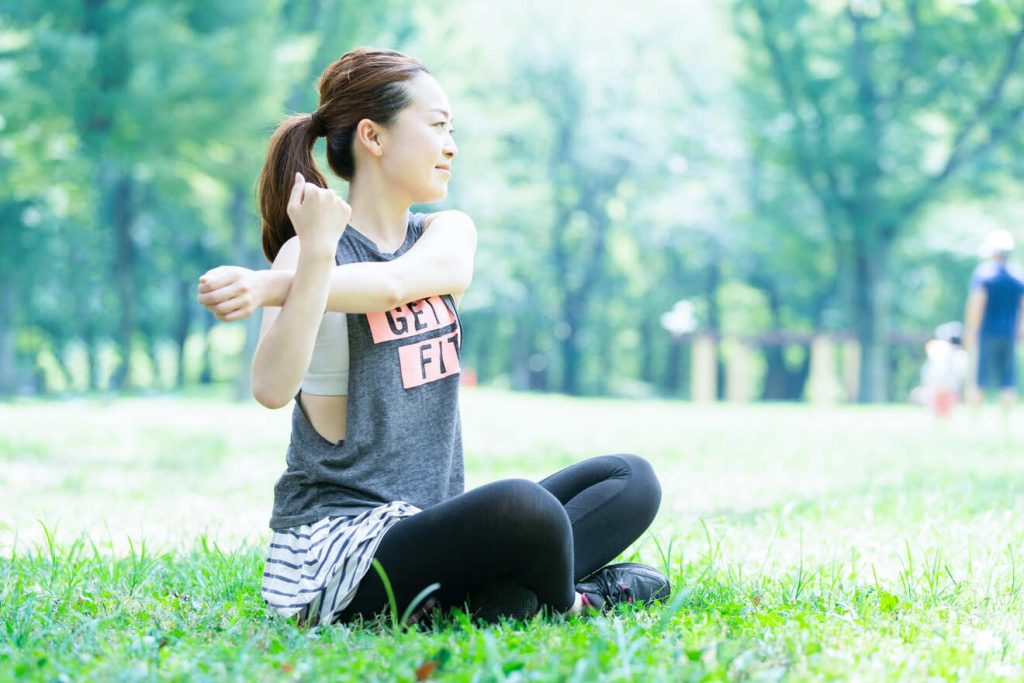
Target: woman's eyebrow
pixel 442 111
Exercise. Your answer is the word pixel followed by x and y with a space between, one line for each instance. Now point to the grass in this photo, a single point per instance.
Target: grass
pixel 850 543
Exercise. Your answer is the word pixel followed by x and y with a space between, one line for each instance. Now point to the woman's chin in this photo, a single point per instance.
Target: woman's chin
pixel 435 195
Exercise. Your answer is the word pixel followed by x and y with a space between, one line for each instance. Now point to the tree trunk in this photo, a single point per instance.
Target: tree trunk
pixel 570 345
pixel 206 371
pixel 606 366
pixel 775 376
pixel 577 298
pixel 8 359
pixel 485 320
pixel 530 368
pixel 871 324
pixel 152 347
pixel 520 366
pixel 58 349
pixel 714 280
pixel 243 383
pixel 648 330
pixel 243 254
pixel 798 377
pixel 123 215
pixel 92 353
pixel 673 382
pixel 781 382
pixel 181 329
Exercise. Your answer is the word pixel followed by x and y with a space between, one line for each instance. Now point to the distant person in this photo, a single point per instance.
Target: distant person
pixel 945 369
pixel 993 318
pixel 363 332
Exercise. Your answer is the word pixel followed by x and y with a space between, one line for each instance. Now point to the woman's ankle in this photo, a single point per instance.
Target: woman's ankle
pixel 577 605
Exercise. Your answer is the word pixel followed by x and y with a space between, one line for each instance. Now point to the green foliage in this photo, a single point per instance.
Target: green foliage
pixel 615 161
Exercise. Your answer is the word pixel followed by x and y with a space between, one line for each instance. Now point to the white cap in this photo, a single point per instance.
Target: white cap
pixel 997 242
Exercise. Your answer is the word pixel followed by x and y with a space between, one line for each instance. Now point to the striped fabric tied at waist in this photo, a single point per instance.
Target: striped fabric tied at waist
pixel 314 570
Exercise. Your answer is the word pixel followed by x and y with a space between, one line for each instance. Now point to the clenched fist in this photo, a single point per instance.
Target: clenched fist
pixel 231 292
pixel 319 216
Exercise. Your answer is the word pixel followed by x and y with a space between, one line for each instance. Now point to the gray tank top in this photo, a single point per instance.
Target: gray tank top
pixel 404 436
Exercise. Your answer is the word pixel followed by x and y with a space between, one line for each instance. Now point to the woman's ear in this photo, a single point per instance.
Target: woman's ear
pixel 368 136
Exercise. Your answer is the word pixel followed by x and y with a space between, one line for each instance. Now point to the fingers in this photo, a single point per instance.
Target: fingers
pixel 232 315
pixel 295 198
pixel 212 297
pixel 227 299
pixel 304 191
pixel 315 192
pixel 240 314
pixel 212 280
pixel 205 279
pixel 233 309
pixel 217 278
pixel 230 305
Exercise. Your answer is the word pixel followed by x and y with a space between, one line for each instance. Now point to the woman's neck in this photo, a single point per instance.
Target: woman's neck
pixel 378 214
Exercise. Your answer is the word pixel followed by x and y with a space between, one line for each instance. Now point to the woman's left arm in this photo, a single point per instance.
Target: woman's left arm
pixel 441 262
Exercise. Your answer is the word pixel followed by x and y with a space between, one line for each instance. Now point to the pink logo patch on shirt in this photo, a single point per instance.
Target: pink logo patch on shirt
pixel 407 320
pixel 429 360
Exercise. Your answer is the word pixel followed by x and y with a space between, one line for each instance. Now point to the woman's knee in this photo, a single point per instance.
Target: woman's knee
pixel 643 482
pixel 524 505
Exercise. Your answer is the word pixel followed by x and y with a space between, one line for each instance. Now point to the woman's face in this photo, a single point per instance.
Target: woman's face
pixel 419 147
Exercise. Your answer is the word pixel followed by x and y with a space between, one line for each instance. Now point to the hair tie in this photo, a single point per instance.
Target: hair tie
pixel 319 130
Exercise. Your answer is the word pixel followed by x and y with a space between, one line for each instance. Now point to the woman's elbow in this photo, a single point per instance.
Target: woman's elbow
pixel 394 294
pixel 268 397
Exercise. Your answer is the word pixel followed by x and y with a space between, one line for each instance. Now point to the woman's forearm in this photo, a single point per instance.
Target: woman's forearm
pixel 275 286
pixel 352 287
pixel 285 349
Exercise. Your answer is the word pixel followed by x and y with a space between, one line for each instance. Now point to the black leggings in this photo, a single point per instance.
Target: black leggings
pixel 543 536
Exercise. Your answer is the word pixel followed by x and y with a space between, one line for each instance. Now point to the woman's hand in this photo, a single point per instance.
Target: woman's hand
pixel 318 215
pixel 232 292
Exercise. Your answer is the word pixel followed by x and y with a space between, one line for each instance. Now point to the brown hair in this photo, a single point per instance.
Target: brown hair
pixel 365 83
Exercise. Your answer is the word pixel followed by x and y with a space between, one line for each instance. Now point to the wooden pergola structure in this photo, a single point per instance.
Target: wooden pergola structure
pixel 834 363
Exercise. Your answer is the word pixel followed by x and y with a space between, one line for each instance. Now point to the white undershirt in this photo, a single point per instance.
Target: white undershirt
pixel 327 374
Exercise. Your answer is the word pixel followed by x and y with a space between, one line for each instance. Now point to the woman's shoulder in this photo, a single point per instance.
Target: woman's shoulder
pixel 458 222
pixel 288 255
pixel 446 216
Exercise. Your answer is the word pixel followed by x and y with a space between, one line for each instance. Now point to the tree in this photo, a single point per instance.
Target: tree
pixel 877 110
pixel 35 155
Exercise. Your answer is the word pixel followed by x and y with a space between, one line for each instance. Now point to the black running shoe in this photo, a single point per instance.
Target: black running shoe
pixel 629 582
pixel 503 599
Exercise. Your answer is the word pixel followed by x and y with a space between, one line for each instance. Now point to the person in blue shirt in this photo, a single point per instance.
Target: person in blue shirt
pixel 993 318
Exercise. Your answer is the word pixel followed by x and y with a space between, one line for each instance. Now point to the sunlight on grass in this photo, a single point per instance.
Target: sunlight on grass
pixel 860 543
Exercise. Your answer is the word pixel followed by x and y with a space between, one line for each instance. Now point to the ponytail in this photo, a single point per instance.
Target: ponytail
pixel 290 152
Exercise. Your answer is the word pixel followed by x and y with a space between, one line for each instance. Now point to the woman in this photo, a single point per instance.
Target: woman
pixel 374 466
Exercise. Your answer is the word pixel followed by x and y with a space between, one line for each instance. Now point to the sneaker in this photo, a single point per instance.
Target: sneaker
pixel 503 599
pixel 629 582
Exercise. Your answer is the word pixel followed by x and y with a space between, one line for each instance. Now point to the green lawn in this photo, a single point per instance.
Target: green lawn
pixel 803 544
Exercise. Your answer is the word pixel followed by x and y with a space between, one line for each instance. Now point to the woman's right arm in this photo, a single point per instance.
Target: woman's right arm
pixel 288 333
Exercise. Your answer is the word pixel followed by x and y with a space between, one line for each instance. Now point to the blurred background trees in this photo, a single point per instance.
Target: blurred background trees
pixel 789 168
